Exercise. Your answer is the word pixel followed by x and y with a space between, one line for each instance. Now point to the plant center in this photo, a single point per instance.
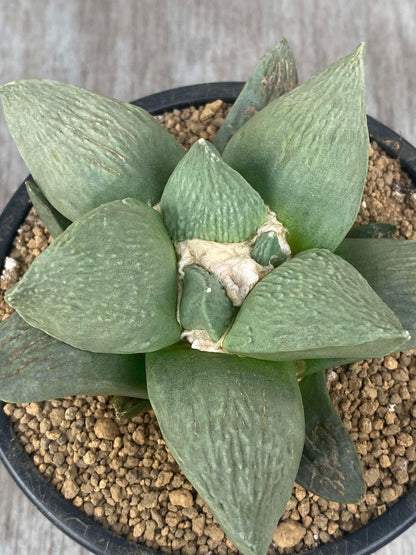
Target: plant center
pixel 233 265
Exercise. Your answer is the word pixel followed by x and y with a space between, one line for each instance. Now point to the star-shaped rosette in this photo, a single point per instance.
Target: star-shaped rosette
pixel 217 283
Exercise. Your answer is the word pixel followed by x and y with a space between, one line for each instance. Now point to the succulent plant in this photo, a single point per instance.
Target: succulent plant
pixel 216 284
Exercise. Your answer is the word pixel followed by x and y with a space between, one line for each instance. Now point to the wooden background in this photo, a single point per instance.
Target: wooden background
pixel 131 48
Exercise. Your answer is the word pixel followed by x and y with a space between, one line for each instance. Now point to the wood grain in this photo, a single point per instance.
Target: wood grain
pixel 131 48
pixel 24 530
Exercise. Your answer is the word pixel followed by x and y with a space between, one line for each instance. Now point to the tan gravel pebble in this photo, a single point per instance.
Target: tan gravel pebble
pixel 70 489
pixel 198 524
pixel 163 478
pixel 214 532
pixel 371 476
pixel 288 534
pixel 106 429
pixel 150 500
pixel 139 529
pixel 390 363
pixel 181 498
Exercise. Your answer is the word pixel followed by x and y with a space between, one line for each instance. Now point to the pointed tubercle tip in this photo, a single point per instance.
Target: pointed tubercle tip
pixel 6 87
pixel 360 50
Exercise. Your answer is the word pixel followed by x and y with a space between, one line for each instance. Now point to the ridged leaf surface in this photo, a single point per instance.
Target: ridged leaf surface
pixel 53 220
pixel 204 304
pixel 36 367
pixel 314 365
pixel 329 466
pixel 84 149
pixel 315 305
pixel 129 407
pixel 389 266
pixel 206 199
pixel 372 231
pixel 306 154
pixel 267 250
pixel 236 428
pixel 274 75
pixel 107 284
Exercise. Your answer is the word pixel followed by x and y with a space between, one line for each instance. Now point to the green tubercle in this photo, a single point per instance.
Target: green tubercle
pixel 55 222
pixel 306 153
pixel 236 428
pixel 315 305
pixel 107 284
pixel 36 367
pixel 275 74
pixel 372 231
pixel 129 407
pixel 267 250
pixel 206 199
pixel 330 466
pixel 389 266
pixel 84 149
pixel 204 304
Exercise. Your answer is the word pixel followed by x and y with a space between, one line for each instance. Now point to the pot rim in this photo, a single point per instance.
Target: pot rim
pixel 74 522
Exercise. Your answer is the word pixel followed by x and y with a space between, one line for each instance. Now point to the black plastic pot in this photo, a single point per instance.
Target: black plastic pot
pixel 76 523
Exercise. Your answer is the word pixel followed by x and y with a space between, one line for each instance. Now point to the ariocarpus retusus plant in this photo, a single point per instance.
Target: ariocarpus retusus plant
pixel 218 284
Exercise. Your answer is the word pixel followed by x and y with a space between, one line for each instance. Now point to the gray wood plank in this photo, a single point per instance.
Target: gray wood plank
pixel 23 529
pixel 130 48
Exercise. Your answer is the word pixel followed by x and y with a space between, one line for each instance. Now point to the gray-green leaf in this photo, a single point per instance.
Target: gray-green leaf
pixel 306 154
pixel 36 367
pixel 84 149
pixel 128 407
pixel 107 284
pixel 55 222
pixel 274 75
pixel 204 304
pixel 267 250
pixel 374 230
pixel 236 428
pixel 389 266
pixel 315 305
pixel 314 365
pixel 329 466
pixel 206 199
